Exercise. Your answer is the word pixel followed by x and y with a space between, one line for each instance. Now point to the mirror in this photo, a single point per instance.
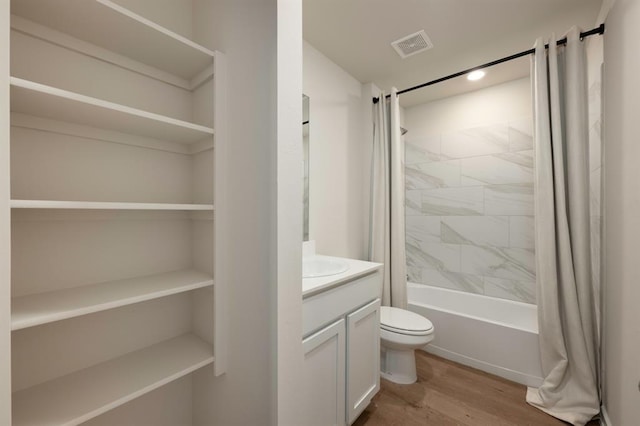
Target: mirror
pixel 305 149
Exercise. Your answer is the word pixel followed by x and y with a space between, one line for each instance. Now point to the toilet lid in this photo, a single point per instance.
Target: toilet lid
pixel 404 322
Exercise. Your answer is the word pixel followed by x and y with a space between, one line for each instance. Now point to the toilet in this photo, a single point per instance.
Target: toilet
pixel 401 333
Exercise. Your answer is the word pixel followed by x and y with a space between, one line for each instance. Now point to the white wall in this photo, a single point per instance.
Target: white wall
pixel 337 157
pixel 289 363
pixel 369 91
pixel 246 31
pixel 5 249
pixel 495 104
pixel 622 214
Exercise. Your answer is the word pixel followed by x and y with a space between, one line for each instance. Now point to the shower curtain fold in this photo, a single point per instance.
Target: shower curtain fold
pixel 386 225
pixel 566 301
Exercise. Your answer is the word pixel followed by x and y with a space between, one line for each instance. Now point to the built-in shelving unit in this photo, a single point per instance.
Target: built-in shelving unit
pixel 98 205
pixel 85 394
pixel 44 101
pixel 37 309
pixel 106 24
pixel 115 239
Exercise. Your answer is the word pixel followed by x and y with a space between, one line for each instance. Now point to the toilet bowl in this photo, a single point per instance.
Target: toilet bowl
pixel 401 333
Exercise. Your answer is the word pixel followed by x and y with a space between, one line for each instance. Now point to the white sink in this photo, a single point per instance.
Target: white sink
pixel 320 266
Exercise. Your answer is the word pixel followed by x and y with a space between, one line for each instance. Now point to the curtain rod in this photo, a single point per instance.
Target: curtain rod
pixel 596 31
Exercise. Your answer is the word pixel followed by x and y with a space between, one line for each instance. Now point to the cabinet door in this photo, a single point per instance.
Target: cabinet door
pixel 324 376
pixel 363 358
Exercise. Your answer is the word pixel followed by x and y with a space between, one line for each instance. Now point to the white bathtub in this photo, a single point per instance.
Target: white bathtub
pixel 494 335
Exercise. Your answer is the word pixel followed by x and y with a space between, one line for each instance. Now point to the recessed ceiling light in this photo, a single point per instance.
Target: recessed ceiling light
pixel 476 75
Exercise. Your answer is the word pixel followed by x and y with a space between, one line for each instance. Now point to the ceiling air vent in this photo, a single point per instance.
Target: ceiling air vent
pixel 412 44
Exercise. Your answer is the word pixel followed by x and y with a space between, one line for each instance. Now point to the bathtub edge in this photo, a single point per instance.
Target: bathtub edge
pixel 514 376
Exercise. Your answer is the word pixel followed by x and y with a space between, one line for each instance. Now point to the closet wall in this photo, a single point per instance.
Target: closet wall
pixel 5 224
pixel 247 31
pixel 117 204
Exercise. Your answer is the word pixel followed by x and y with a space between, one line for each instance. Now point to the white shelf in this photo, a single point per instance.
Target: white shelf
pixel 112 27
pixel 85 394
pixel 99 205
pixel 42 308
pixel 28 97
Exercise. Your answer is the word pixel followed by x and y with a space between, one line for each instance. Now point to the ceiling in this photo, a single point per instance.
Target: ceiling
pixel 356 34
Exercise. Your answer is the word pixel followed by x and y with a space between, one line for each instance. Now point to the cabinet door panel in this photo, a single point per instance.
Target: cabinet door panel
pixel 324 376
pixel 363 358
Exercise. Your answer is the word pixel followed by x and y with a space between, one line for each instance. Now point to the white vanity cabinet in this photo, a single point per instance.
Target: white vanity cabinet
pixel 324 375
pixel 363 358
pixel 341 329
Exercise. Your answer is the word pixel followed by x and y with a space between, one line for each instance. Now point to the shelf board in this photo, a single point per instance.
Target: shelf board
pixel 115 28
pixel 28 97
pixel 42 308
pixel 85 394
pixel 99 205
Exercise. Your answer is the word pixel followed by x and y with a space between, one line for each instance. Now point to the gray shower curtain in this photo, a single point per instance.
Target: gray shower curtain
pixel 566 300
pixel 386 225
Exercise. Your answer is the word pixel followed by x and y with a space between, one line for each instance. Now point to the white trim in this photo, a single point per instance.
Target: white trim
pixel 5 222
pixel 221 236
pixel 98 205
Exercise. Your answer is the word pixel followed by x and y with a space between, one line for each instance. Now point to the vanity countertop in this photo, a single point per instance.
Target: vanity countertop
pixel 357 268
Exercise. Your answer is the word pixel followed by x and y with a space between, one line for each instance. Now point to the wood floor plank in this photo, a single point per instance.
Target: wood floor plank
pixel 450 394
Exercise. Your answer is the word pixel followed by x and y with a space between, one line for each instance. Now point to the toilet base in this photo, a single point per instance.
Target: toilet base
pixel 398 366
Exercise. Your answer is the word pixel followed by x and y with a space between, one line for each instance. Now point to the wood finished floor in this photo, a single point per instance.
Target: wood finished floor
pixel 448 394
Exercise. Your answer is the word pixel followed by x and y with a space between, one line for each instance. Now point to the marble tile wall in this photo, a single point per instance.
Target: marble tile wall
pixel 469 210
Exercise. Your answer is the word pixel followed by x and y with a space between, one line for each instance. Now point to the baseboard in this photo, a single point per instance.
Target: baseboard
pixel 514 376
pixel 604 417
